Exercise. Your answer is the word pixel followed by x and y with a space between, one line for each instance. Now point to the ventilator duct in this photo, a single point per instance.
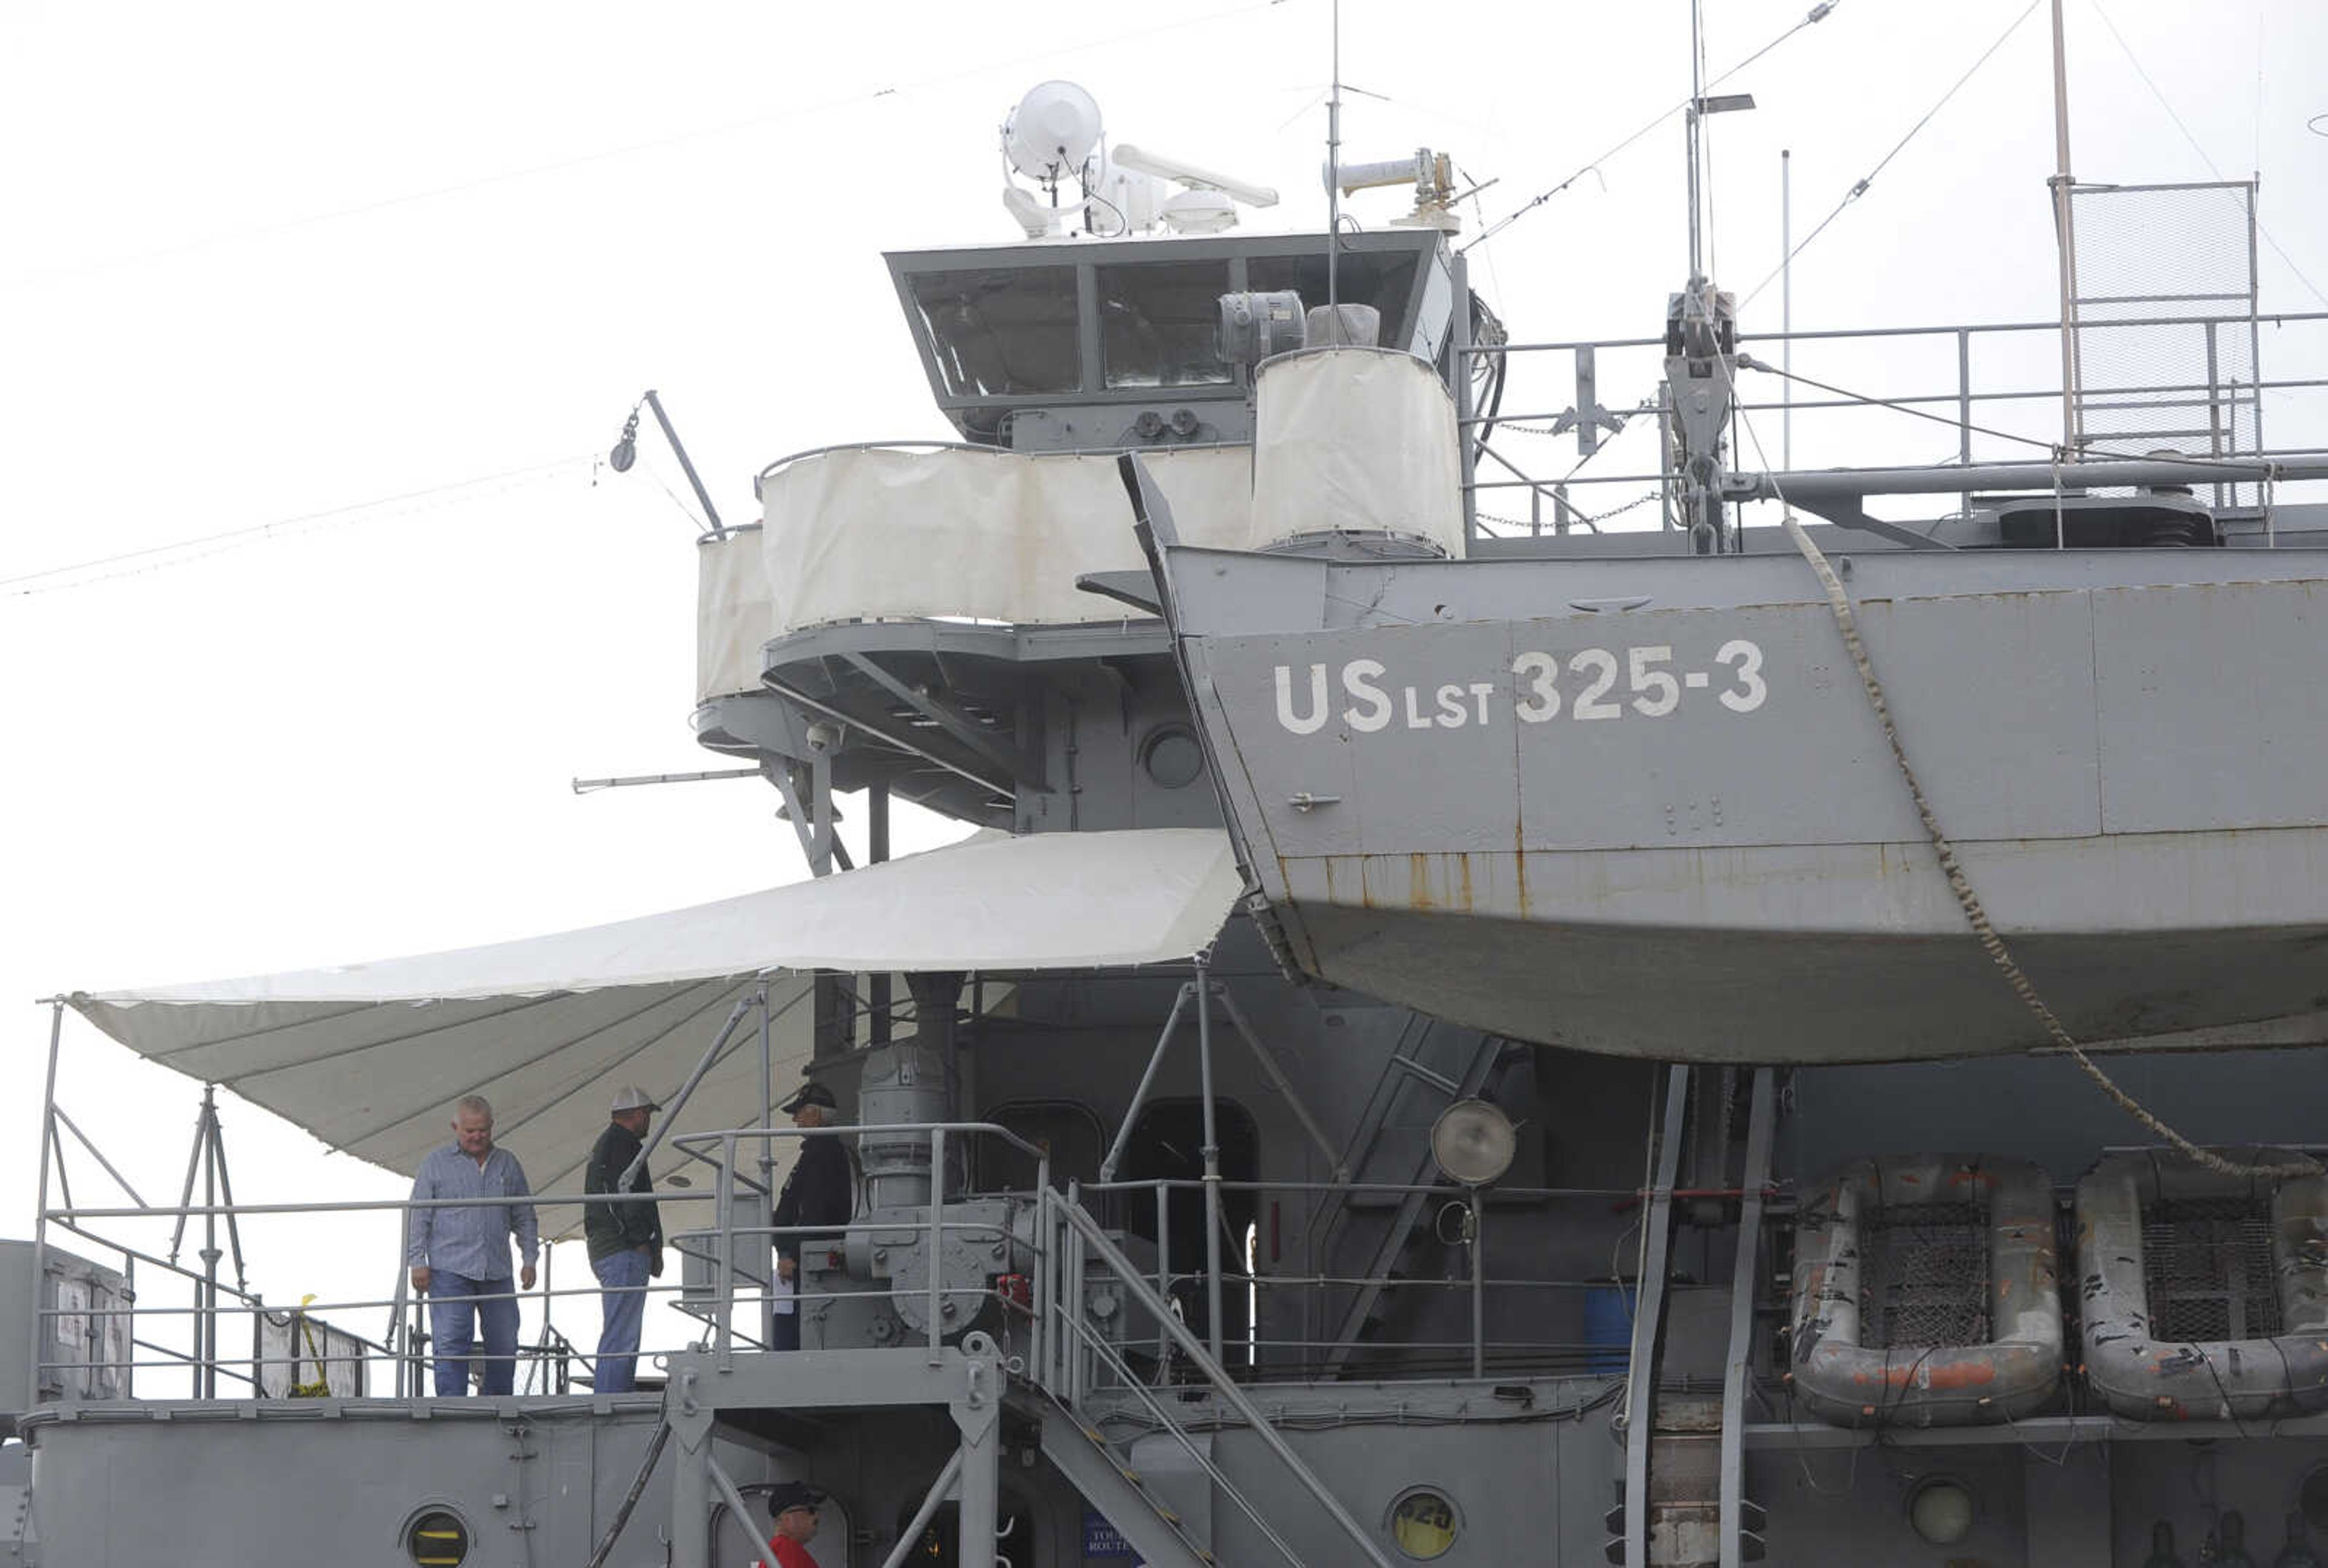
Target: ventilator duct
pixel 1355 441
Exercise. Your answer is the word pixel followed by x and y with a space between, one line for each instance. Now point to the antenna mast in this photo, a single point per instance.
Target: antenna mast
pixel 2061 182
pixel 1697 109
pixel 1334 183
pixel 1787 304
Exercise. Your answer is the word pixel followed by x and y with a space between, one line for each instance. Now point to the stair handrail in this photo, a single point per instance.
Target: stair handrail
pixel 1180 1435
pixel 1094 1238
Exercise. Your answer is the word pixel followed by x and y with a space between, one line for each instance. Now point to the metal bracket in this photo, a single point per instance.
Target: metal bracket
pixel 1024 769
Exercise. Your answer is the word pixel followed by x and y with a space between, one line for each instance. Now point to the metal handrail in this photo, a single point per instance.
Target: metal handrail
pixel 1092 1240
pixel 2266 318
pixel 1180 1432
pixel 2209 407
pixel 934 1224
pixel 1478 1283
pixel 70 1219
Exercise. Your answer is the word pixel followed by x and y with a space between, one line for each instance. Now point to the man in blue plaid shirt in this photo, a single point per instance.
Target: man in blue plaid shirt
pixel 460 1257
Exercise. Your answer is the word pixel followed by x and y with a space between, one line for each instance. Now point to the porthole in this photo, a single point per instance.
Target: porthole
pixel 1172 757
pixel 1941 1510
pixel 2312 1497
pixel 436 1538
pixel 1424 1524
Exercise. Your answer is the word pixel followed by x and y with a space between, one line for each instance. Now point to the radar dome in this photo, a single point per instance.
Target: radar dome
pixel 1053 130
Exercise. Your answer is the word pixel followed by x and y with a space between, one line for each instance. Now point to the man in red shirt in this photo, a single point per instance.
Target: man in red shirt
pixel 793 1503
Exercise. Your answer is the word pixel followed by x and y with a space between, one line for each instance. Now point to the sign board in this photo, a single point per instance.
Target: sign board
pixel 1102 1543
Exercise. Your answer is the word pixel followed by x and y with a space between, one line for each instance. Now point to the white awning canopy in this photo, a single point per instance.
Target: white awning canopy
pixel 371 1056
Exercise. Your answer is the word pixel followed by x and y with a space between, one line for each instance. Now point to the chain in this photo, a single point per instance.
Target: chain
pixel 1574 517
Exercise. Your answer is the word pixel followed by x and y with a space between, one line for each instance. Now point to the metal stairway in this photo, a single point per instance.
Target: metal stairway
pixel 1071 1351
pixel 1114 1486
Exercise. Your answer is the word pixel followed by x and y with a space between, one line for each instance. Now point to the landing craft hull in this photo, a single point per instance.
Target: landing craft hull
pixel 1644 807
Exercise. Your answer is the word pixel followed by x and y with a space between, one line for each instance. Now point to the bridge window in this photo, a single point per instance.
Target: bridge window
pixel 1002 333
pixel 1160 323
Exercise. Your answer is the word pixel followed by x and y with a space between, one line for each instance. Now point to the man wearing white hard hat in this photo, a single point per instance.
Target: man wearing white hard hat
pixel 626 1239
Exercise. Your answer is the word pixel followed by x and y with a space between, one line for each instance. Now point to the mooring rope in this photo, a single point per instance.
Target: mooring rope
pixel 1976 915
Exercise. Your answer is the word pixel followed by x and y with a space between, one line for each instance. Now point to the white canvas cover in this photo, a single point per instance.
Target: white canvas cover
pixel 874 533
pixel 371 1056
pixel 1355 439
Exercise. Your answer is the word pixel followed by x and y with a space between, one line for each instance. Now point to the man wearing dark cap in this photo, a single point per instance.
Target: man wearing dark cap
pixel 626 1239
pixel 793 1505
pixel 818 1192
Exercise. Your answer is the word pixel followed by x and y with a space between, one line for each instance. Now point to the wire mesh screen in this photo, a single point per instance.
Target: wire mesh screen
pixel 2208 1271
pixel 2182 259
pixel 1924 1277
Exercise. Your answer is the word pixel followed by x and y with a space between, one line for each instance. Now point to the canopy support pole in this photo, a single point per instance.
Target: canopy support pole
pixel 1147 1080
pixel 40 1215
pixel 718 1047
pixel 1211 1155
pixel 878 1022
pixel 206 1326
pixel 767 1145
pixel 207 1157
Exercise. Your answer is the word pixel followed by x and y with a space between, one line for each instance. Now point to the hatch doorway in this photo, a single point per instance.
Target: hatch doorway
pixel 1166 1145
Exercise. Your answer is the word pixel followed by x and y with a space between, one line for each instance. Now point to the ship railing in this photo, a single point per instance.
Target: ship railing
pixel 1931 397
pixel 107 1325
pixel 716 1288
pixel 1232 1324
pixel 120 1332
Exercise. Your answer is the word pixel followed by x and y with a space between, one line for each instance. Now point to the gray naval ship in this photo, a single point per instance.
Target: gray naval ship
pixel 1469 1035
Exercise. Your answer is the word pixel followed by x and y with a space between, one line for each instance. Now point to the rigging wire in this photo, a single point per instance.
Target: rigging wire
pixel 259 533
pixel 2268 238
pixel 1859 190
pixel 1818 13
pixel 628 149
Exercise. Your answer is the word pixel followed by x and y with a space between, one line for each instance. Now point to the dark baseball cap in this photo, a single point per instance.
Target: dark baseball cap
pixel 788 1495
pixel 809 1095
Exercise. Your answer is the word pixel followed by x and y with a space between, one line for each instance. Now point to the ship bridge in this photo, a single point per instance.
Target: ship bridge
pixel 1048 348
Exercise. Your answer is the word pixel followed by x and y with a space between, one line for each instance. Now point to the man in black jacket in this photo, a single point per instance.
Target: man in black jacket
pixel 626 1239
pixel 820 1191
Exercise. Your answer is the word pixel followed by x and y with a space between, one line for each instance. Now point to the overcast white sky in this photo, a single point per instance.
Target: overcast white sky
pixel 289 263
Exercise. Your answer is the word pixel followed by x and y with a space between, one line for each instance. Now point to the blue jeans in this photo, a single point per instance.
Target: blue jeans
pixel 623 1276
pixel 449 1319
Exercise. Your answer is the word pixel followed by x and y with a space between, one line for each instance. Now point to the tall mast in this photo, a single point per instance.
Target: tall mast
pixel 1334 186
pixel 2065 231
pixel 1696 109
pixel 1787 304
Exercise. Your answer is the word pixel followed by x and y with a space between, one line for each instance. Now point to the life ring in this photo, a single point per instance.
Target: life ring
pixel 2014 1371
pixel 2142 1375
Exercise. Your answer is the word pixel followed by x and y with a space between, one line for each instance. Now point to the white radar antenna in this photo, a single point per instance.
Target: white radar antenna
pixel 1055 134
